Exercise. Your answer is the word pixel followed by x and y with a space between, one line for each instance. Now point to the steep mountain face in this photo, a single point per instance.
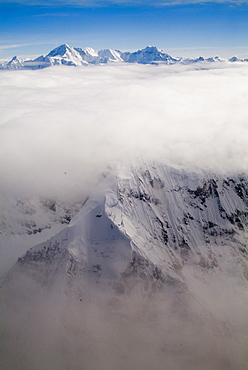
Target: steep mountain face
pixel 67 55
pixel 63 54
pixel 148 55
pixel 89 55
pixel 108 55
pixel 152 219
pixel 15 63
pixel 63 50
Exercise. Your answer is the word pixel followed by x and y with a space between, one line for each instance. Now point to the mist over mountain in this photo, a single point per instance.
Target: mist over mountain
pixel 156 254
pixel 124 214
pixel 67 55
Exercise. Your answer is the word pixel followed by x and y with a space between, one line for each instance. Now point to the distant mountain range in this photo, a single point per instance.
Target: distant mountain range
pixel 67 55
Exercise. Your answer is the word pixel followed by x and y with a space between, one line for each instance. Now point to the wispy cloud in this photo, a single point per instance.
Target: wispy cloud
pixel 14 46
pixel 54 15
pixel 191 2
pixel 106 3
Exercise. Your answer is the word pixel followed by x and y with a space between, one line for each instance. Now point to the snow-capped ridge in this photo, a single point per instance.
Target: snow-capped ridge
pixel 236 59
pixel 151 219
pixel 90 51
pixel 109 55
pixel 65 54
pixel 150 54
pixel 62 50
pixel 15 63
pixel 74 56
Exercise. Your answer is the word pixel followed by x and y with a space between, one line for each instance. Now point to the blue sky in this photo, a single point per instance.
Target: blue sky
pixel 181 28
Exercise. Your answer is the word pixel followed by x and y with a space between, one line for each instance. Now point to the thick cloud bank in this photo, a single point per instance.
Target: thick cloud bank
pixel 203 328
pixel 60 126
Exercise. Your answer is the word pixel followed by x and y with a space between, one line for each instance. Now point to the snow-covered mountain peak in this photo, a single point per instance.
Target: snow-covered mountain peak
pixel 215 59
pixel 61 50
pixel 235 59
pixel 64 54
pixel 151 49
pixel 88 55
pixel 90 51
pixel 149 54
pixel 15 63
pixel 157 218
pixel 110 55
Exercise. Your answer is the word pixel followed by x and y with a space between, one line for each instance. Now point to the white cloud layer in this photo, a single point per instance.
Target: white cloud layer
pixel 60 126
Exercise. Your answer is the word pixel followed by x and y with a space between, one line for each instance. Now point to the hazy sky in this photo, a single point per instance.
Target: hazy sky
pixel 179 27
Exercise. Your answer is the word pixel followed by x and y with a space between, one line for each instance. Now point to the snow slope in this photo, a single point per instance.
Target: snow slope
pixel 162 217
pixel 27 222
